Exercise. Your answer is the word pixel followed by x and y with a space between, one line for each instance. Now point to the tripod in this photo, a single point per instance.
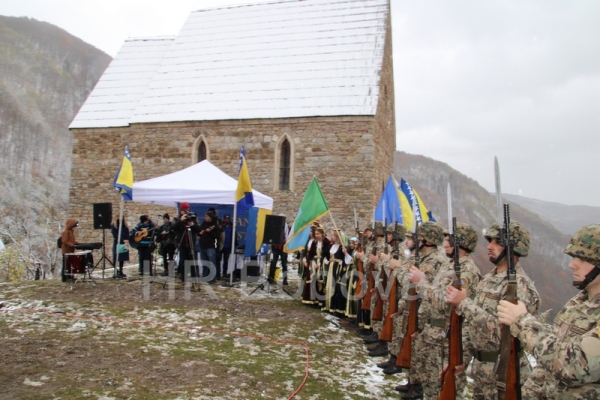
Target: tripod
pixel 268 281
pixel 195 279
pixel 103 259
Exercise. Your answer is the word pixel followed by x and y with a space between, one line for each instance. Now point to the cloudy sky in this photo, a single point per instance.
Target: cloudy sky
pixel 474 79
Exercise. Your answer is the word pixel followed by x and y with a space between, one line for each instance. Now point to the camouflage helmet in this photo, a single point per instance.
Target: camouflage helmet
pixel 585 244
pixel 432 232
pixel 466 235
pixel 379 231
pixel 517 232
pixel 399 228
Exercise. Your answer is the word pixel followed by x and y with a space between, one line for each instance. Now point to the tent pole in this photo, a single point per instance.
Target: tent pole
pixel 233 246
pixel 121 212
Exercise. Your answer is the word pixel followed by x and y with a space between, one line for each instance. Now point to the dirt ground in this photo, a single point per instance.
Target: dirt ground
pixel 136 339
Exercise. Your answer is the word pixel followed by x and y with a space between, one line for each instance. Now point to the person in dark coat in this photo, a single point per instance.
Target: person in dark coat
pixel 186 231
pixel 123 256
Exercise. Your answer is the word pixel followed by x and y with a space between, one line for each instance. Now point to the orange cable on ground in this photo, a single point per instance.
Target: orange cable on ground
pixel 145 322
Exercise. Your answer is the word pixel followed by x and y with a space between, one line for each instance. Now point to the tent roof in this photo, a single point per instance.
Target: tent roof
pixel 201 183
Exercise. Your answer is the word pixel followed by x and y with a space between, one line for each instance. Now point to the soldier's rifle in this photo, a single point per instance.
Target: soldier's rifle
pixel 508 374
pixel 412 306
pixel 383 279
pixel 359 263
pixel 366 302
pixel 454 333
pixel 387 331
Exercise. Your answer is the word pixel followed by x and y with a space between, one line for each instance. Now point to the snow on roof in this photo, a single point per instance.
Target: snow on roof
pixel 271 60
pixel 121 87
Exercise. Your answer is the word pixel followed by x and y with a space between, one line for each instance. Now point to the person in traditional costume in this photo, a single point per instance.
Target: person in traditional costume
pixel 306 265
pixel 352 301
pixel 336 289
pixel 317 254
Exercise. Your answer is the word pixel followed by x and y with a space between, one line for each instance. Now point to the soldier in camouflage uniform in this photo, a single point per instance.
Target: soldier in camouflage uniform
pixel 434 312
pixel 568 352
pixel 481 330
pixel 431 236
pixel 381 347
pixel 392 265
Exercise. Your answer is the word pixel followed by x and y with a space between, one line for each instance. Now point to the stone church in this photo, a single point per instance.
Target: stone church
pixel 306 86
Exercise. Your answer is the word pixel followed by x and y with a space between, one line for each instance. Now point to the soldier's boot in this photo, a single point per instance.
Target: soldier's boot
pixel 404 388
pixel 374 346
pixel 415 393
pixel 388 362
pixel 372 338
pixel 364 332
pixel 392 368
pixel 382 351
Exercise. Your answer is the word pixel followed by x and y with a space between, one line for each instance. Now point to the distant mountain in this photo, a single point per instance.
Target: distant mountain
pixel 546 263
pixel 45 76
pixel 567 219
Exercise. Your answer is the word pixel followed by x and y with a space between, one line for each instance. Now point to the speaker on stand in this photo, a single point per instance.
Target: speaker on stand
pixel 274 235
pixel 102 220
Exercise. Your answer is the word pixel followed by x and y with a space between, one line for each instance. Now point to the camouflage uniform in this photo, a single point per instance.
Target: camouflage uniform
pixel 381 267
pixel 434 315
pixel 401 276
pixel 392 275
pixel 366 321
pixel 426 351
pixel 568 353
pixel 482 328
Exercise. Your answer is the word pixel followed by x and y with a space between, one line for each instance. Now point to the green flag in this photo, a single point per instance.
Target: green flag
pixel 313 207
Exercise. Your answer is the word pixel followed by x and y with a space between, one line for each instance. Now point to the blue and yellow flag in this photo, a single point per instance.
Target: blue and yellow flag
pixel 255 230
pixel 408 198
pixel 313 207
pixel 123 181
pixel 243 194
pixel 390 198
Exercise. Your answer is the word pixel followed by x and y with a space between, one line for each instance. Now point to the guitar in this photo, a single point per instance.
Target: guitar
pixel 141 234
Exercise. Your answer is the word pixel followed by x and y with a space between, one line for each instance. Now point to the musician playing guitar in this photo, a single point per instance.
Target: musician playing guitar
pixel 143 234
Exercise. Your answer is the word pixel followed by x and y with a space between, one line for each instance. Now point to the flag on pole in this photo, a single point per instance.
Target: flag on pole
pixel 391 198
pixel 123 181
pixel 409 201
pixel 243 194
pixel 312 207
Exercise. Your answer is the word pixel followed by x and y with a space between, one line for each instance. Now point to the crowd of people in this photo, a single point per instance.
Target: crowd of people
pixel 385 276
pixel 375 279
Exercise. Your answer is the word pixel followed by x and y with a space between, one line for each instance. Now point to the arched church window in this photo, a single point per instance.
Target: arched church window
pixel 284 165
pixel 202 151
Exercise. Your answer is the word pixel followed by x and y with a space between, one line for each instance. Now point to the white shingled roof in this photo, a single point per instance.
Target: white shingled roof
pixel 269 60
pixel 123 84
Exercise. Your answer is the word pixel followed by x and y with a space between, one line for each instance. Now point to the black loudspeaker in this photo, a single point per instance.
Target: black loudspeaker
pixel 274 230
pixel 102 215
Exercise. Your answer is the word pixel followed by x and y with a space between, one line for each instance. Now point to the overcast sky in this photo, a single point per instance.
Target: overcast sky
pixel 473 79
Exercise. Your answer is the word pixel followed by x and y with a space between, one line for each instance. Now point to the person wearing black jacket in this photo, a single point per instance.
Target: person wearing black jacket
pixel 166 241
pixel 186 231
pixel 209 233
pixel 143 234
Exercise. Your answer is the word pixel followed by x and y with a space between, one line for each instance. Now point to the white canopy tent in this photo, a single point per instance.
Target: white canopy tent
pixel 201 183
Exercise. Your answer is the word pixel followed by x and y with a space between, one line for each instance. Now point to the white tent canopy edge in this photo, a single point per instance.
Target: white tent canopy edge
pixel 201 183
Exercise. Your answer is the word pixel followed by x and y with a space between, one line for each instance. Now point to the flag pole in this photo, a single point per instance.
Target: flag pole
pixel 116 255
pixel 233 246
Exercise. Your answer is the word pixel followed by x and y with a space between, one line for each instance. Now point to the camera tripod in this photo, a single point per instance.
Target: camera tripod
pixel 103 259
pixel 195 279
pixel 268 281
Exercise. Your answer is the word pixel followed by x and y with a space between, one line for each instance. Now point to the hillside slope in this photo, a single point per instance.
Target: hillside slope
pixel 567 219
pixel 45 76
